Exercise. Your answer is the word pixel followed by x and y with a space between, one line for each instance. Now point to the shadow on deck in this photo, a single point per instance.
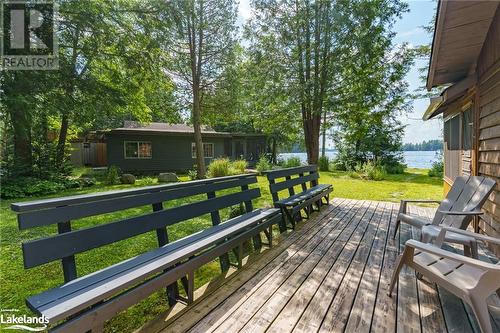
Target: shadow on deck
pixel 331 275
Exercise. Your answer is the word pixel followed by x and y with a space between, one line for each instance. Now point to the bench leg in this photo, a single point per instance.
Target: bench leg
pixel 257 243
pixel 240 255
pixel 270 236
pixel 190 288
pixel 289 217
pixel 172 293
pixel 282 224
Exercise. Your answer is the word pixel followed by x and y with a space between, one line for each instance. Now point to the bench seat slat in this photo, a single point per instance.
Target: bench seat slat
pixel 58 303
pixel 45 250
pixel 304 195
pixel 76 211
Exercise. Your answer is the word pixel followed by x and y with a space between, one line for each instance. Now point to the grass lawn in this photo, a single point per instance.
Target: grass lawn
pixel 18 283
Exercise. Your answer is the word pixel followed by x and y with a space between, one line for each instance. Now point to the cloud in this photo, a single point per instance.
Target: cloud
pixel 412 32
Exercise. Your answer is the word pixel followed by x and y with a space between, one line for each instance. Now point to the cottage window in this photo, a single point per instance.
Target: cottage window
pixel 208 150
pixel 452 152
pixel 138 149
pixel 467 129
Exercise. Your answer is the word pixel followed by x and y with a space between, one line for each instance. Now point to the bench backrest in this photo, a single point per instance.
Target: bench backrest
pixel 286 179
pixel 67 242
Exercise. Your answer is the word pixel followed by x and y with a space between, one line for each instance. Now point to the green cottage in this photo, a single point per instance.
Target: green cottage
pixel 159 147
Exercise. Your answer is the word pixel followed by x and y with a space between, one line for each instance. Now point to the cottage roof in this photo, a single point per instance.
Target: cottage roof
pixel 130 127
pixel 460 31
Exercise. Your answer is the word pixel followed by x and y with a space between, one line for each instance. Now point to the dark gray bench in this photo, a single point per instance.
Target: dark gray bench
pixel 294 203
pixel 85 303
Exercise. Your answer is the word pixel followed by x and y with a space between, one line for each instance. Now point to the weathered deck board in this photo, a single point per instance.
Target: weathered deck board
pixel 330 275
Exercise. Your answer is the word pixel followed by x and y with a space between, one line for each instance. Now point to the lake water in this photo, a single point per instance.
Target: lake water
pixel 414 159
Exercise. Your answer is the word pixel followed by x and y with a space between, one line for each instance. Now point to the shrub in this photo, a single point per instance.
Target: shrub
pixel 437 169
pixel 324 163
pixel 193 173
pixel 395 168
pixel 263 165
pixel 219 167
pixel 370 171
pixel 239 166
pixel 29 186
pixel 113 175
pixel 292 162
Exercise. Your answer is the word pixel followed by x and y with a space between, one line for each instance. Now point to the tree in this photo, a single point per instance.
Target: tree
pixel 372 92
pixel 105 76
pixel 298 35
pixel 201 43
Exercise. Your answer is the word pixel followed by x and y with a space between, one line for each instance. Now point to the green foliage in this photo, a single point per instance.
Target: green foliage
pixel 324 163
pixel 437 169
pixel 395 168
pixel 263 164
pixel 368 171
pixel 219 167
pixel 292 162
pixel 113 175
pixel 21 187
pixel 239 166
pixel 193 173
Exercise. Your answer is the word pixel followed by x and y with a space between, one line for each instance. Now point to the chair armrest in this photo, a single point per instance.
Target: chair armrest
pixel 458 212
pixel 445 228
pixel 421 200
pixel 429 248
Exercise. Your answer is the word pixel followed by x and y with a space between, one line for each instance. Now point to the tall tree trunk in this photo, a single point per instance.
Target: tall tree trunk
pixel 21 123
pixel 195 35
pixel 198 142
pixel 61 143
pixel 323 148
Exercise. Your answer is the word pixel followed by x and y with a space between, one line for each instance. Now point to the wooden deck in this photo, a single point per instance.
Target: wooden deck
pixel 330 275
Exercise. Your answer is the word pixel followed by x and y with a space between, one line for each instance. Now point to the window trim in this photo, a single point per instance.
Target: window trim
pixel 193 149
pixel 138 157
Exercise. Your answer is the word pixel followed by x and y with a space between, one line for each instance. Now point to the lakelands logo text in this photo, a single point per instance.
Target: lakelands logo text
pixel 11 321
pixel 29 38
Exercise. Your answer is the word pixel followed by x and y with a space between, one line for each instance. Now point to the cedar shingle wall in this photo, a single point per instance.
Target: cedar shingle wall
pixel 488 68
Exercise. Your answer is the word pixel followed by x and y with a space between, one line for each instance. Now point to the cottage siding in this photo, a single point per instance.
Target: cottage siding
pixel 488 69
pixel 170 153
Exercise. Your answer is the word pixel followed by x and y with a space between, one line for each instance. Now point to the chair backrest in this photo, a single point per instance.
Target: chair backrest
pixel 62 211
pixel 466 194
pixel 292 177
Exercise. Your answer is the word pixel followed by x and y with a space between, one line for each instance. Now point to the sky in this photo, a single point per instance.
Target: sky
pixel 408 30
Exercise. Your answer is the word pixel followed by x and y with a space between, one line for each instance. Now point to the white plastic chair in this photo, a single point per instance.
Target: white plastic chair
pixel 470 279
pixel 463 202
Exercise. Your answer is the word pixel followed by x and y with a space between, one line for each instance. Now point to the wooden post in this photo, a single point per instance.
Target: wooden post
pixel 68 263
pixel 224 259
pixel 248 208
pixel 162 235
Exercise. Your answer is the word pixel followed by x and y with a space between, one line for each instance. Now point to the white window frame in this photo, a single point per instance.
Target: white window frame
pixel 138 150
pixel 193 149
